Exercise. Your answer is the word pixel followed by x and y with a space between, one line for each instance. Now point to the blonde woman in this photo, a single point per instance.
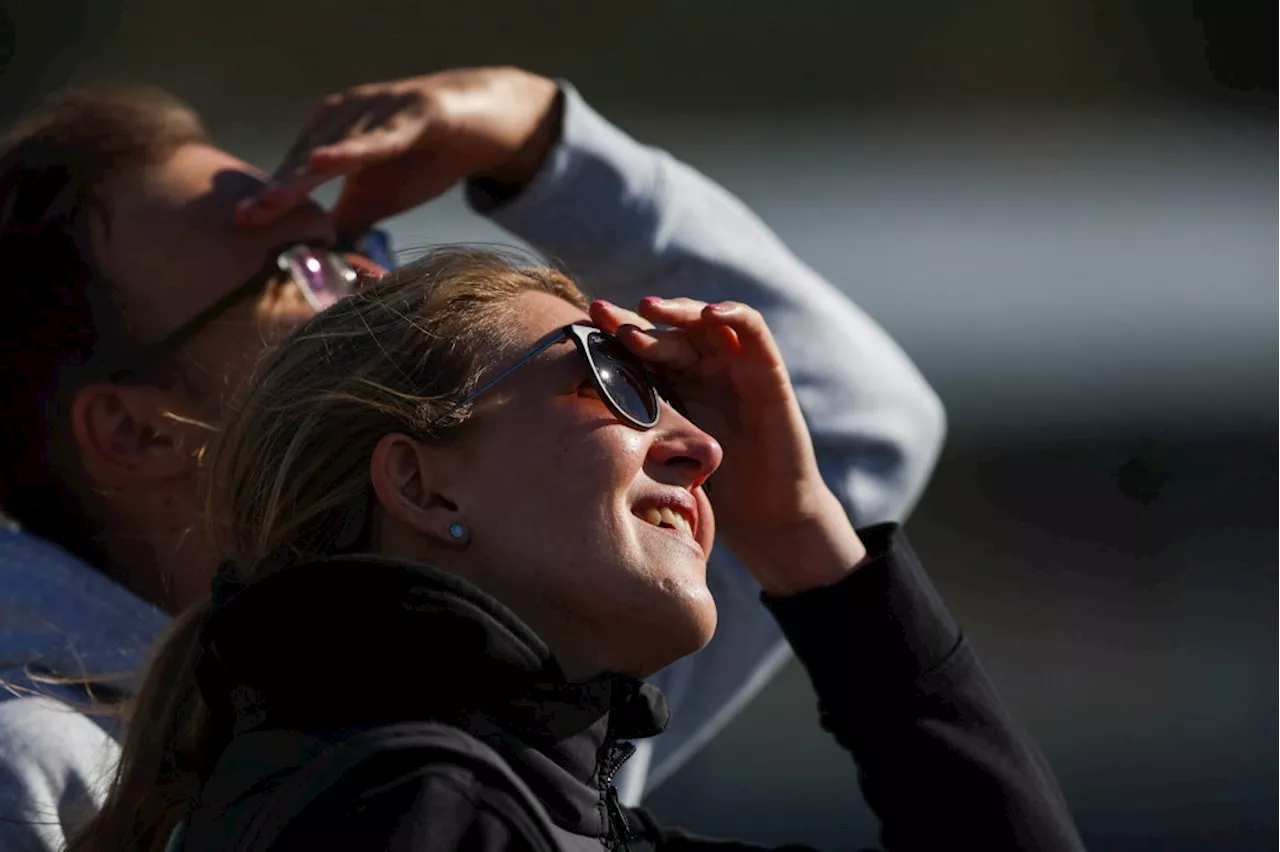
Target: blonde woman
pixel 473 511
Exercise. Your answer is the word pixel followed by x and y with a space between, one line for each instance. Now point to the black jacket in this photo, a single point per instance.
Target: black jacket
pixel 355 643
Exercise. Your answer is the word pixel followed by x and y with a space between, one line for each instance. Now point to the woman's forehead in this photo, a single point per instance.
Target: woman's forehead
pixel 538 314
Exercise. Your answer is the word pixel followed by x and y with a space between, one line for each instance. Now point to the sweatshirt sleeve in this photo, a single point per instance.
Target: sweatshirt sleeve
pixel 55 765
pixel 941 762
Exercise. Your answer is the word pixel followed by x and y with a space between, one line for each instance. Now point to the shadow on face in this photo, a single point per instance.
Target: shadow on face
pixel 172 249
pixel 169 249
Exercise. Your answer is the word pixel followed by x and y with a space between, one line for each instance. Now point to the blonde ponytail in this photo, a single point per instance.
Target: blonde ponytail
pixel 167 752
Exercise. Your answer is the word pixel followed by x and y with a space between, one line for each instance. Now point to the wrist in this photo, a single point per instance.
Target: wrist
pixel 512 175
pixel 815 549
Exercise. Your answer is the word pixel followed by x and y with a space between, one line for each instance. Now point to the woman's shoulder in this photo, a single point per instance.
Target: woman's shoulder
pixel 399 787
pixel 441 806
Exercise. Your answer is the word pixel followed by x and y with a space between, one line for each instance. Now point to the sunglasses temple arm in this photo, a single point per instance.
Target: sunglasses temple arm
pixel 529 356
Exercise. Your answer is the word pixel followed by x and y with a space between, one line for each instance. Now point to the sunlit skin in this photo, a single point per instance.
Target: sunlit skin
pixel 549 484
pixel 186 231
pixel 552 487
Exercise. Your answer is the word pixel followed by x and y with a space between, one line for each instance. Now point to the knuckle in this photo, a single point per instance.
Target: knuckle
pixel 689 302
pixel 750 316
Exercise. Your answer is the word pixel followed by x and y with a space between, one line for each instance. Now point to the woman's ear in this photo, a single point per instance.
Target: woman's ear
pixel 406 479
pixel 128 434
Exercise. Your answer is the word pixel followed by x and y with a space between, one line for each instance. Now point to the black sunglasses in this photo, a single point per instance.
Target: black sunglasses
pixel 321 274
pixel 630 390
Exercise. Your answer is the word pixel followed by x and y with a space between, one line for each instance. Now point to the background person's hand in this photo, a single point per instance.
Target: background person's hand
pixel 402 143
pixel 771 503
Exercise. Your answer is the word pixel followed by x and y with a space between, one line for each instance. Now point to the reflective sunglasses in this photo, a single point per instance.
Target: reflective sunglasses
pixel 630 390
pixel 321 274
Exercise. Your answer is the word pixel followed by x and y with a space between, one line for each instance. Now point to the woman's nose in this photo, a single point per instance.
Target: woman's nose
pixel 683 451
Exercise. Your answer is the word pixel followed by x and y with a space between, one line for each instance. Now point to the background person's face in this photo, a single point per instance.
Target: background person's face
pixel 173 250
pixel 552 486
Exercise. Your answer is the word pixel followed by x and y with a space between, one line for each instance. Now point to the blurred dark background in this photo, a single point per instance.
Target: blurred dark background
pixel 1065 211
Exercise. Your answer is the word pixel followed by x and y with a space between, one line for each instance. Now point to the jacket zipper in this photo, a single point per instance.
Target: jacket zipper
pixel 619 826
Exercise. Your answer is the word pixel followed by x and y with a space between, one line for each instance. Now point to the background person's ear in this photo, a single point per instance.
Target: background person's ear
pixel 130 433
pixel 405 475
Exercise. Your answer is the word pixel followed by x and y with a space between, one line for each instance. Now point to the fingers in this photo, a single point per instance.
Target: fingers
pixel 386 126
pixel 360 151
pixel 700 329
pixel 295 179
pixel 710 339
pixel 754 339
pixel 666 347
pixel 724 326
pixel 680 312
pixel 347 133
pixel 610 317
pixel 276 200
pixel 331 122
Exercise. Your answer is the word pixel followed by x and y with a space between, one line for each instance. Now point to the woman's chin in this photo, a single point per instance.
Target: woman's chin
pixel 685 625
pixel 700 618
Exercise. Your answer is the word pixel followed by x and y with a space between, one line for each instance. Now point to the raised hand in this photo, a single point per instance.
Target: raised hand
pixel 772 506
pixel 402 143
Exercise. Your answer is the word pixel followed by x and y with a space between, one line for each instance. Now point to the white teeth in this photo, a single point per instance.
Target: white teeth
pixel 668 517
pixel 676 520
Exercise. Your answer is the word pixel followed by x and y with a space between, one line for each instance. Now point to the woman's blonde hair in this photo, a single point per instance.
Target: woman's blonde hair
pixel 289 471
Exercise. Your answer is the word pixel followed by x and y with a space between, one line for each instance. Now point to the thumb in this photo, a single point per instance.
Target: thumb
pixel 384 189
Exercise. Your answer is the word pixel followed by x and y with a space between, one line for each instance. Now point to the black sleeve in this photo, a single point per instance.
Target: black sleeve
pixel 940 760
pixel 438 808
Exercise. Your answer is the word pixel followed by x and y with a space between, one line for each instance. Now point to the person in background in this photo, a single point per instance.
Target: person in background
pixel 150 269
pixel 489 464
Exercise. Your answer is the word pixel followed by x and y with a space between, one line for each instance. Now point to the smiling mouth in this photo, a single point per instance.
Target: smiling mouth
pixel 665 518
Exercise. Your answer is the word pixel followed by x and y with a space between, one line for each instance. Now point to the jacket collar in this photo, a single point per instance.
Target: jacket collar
pixel 357 641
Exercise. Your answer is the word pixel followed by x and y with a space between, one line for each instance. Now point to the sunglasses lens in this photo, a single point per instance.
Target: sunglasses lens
pixel 623 379
pixel 323 276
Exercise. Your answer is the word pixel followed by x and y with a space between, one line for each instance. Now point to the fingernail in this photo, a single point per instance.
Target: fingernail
pixel 603 303
pixel 653 300
pixel 718 308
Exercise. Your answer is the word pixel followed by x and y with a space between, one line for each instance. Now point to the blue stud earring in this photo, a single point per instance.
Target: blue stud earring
pixel 457 532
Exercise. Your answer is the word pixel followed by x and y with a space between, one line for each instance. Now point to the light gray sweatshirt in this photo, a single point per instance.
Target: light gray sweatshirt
pixel 628 221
